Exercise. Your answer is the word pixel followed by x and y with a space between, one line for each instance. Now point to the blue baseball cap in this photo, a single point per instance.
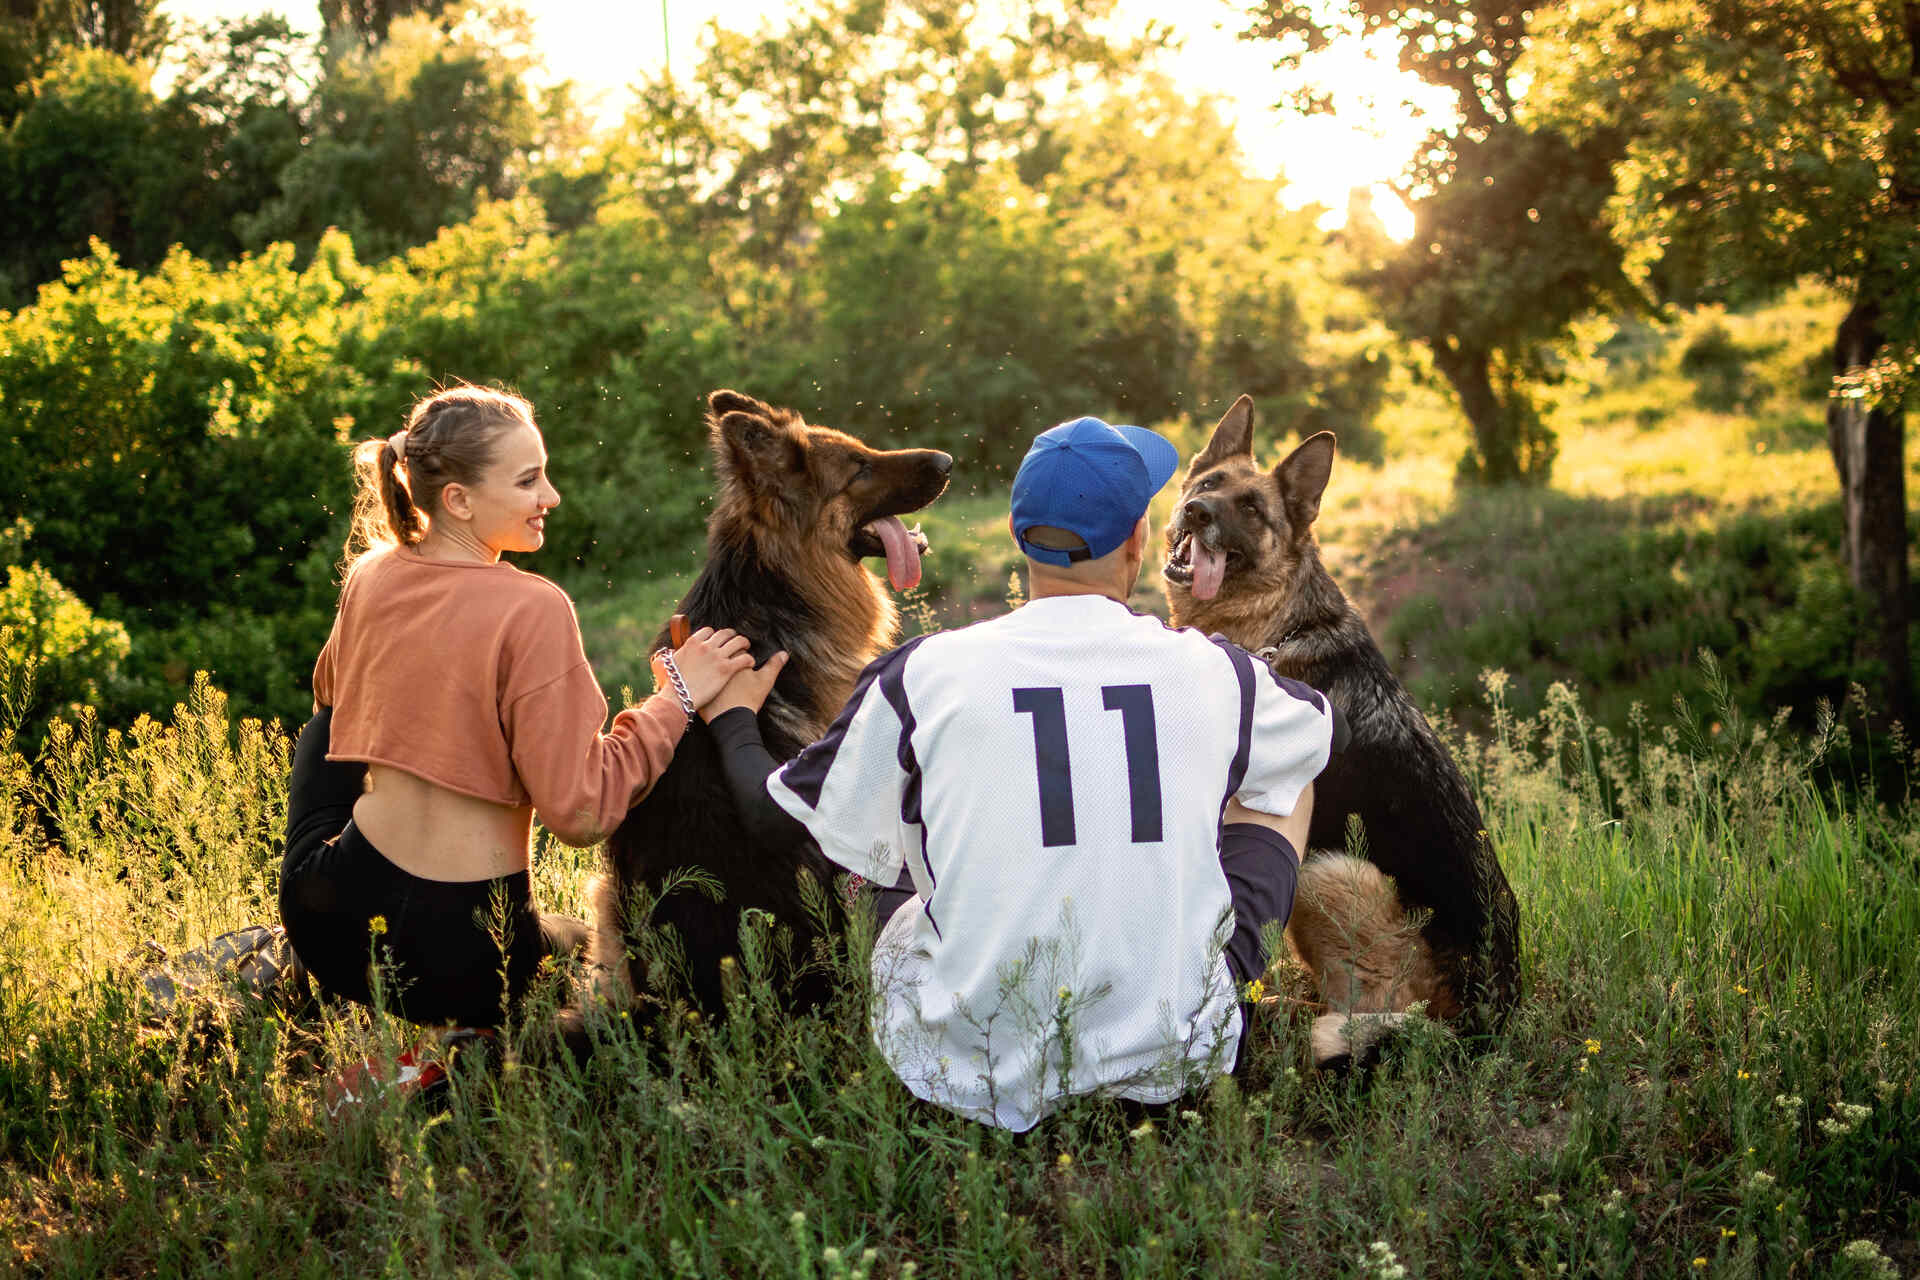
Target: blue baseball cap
pixel 1092 480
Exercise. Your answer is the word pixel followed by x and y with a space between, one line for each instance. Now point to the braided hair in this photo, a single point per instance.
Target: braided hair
pixel 450 437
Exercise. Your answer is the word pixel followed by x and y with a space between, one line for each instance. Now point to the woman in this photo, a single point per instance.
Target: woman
pixel 453 702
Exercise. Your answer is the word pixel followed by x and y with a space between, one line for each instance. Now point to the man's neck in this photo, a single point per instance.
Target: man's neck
pixel 1042 586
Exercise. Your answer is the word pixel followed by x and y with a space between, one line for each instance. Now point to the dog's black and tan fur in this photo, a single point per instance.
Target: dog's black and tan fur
pixel 1350 925
pixel 784 550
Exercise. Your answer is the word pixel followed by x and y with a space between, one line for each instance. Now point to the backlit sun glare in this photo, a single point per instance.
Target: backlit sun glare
pixel 1381 112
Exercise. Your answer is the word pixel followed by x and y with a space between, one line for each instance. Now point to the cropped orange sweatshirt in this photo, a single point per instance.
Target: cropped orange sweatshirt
pixel 472 676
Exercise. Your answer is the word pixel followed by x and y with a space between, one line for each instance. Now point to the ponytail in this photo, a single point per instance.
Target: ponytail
pixel 449 438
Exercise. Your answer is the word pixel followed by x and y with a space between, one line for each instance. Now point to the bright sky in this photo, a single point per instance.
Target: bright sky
pixel 605 47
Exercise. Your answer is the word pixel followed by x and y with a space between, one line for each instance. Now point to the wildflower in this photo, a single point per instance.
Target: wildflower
pixel 1699 1262
pixel 1743 1075
pixel 1064 994
pixel 377 926
pixel 1593 1046
pixel 1728 1233
pixel 1788 1101
pixel 1583 1066
pixel 1065 1160
pixel 1846 1118
pixel 1255 992
pixel 1144 1131
pixel 1760 1180
pixel 1549 1201
pixel 1190 1117
pixel 1737 987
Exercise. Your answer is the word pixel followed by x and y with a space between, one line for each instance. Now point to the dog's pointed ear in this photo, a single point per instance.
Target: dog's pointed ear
pixel 1232 437
pixel 723 402
pixel 1303 476
pixel 749 447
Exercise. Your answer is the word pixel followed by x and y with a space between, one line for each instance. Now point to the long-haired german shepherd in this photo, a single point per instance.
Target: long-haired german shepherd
pixel 1242 562
pixel 797 509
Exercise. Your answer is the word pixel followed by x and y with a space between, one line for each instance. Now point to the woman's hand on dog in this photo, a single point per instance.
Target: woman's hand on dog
pixel 708 659
pixel 748 688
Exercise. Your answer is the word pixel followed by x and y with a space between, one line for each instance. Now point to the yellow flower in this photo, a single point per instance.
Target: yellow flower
pixel 377 926
pixel 1737 987
pixel 1583 1065
pixel 1728 1233
pixel 1066 1160
pixel 1593 1046
pixel 1744 1075
pixel 1255 991
pixel 1699 1262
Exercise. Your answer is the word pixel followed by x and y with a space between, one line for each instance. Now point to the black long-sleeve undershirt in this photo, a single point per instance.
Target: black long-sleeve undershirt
pixel 747 764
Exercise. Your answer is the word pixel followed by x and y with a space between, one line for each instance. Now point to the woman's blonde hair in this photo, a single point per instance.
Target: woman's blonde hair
pixel 451 437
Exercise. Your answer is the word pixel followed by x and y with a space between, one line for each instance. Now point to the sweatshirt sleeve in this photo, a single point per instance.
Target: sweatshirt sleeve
pixel 581 781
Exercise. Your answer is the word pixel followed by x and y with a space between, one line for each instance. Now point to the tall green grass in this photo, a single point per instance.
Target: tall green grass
pixel 1711 1073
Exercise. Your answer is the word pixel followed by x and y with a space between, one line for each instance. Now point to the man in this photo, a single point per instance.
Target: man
pixel 1054 782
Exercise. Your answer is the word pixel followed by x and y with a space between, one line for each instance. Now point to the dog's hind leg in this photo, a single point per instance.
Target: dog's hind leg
pixel 1367 956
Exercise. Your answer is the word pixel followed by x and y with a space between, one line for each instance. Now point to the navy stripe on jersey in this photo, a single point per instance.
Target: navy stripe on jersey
pixel 893 687
pixel 1319 702
pixel 806 774
pixel 1243 752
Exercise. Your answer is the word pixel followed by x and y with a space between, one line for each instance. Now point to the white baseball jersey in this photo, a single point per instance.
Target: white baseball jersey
pixel 1054 780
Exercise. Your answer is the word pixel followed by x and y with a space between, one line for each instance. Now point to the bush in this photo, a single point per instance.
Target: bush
pixel 47 631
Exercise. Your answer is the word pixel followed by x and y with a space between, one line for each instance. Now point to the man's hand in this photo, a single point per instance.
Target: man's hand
pixel 1293 827
pixel 748 688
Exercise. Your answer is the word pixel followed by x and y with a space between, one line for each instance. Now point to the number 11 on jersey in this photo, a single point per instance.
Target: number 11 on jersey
pixel 1053 768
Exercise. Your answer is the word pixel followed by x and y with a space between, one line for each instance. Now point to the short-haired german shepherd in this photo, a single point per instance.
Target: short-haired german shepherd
pixel 797 510
pixel 1242 562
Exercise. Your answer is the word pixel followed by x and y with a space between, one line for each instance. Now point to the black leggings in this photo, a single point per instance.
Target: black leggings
pixel 449 951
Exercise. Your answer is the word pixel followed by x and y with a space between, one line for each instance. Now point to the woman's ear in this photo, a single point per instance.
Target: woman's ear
pixel 456 501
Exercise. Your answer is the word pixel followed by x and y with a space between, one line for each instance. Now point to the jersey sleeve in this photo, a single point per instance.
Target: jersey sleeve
pixel 857 790
pixel 1291 734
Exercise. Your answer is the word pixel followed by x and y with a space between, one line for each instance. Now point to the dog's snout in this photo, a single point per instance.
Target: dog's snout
pixel 941 462
pixel 1198 512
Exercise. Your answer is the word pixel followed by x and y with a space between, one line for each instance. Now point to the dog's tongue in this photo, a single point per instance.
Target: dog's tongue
pixel 903 558
pixel 1209 567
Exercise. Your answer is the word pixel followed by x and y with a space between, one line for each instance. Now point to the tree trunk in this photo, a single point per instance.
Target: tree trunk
pixel 1501 427
pixel 1869 451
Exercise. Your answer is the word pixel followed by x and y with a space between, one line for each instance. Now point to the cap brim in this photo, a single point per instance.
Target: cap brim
pixel 1157 452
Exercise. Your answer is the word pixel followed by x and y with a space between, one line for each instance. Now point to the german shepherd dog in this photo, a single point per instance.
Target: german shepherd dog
pixel 1242 561
pixel 797 509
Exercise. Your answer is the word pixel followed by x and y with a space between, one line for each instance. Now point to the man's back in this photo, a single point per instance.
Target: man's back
pixel 1054 781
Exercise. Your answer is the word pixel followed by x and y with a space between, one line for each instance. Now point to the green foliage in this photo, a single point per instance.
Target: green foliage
pixel 1620 598
pixel 626 349
pixel 50 636
pixel 1509 248
pixel 197 464
pixel 1787 129
pixel 88 156
pixel 406 138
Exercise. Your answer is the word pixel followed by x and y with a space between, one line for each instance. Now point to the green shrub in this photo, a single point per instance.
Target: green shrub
pixel 50 636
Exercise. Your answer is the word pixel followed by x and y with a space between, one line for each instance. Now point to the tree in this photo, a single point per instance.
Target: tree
pixel 772 130
pixel 405 139
pixel 1775 139
pixel 367 22
pixel 1505 253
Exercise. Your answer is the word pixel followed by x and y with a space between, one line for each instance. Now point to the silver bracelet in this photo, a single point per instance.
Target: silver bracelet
pixel 679 685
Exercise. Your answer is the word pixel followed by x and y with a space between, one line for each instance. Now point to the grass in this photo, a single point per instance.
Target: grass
pixel 1711 1074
